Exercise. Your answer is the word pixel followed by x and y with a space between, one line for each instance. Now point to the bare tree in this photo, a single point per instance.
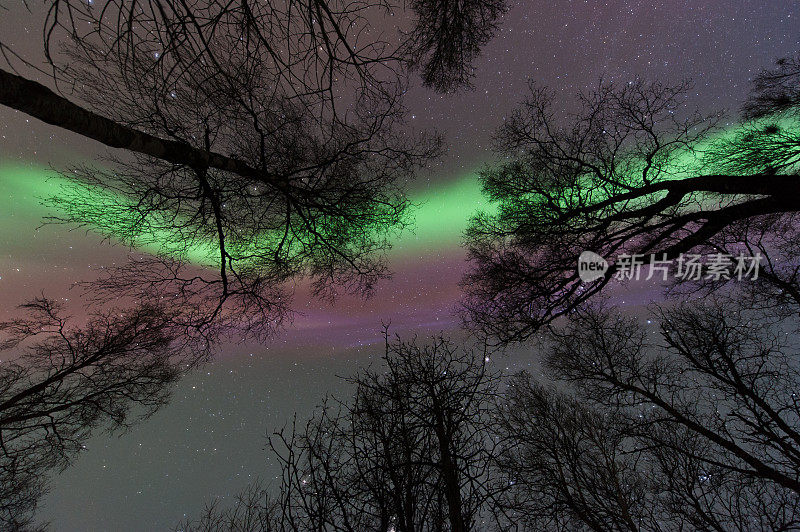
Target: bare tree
pixel 410 451
pixel 267 138
pixel 622 177
pixel 688 426
pixel 568 465
pixel 323 195
pixel 443 39
pixel 253 510
pixel 63 382
pixel 448 37
pixel 693 425
pixel 266 142
pixel 775 90
pixel 442 393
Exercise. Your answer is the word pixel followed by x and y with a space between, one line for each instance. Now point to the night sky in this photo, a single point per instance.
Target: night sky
pixel 209 442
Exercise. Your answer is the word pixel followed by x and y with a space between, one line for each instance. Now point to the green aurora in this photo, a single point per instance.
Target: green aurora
pixel 441 214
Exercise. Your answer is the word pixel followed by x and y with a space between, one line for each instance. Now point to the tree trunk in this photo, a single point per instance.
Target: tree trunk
pixel 36 100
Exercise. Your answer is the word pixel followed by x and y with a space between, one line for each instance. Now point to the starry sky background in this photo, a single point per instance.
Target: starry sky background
pixel 209 442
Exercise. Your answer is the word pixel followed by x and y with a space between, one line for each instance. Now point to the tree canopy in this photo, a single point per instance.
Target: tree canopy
pixel 630 174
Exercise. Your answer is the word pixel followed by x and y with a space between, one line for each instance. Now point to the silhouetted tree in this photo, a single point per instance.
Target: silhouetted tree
pixel 447 37
pixel 568 466
pixel 265 143
pixel 411 450
pixel 622 177
pixel 268 140
pixel 61 382
pixel 319 194
pixel 255 509
pixel 691 425
pixel 775 90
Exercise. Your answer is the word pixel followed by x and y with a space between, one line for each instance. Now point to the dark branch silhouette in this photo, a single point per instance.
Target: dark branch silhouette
pixel 623 177
pixel 448 36
pixel 268 146
pixel 40 102
pixel 411 450
pixel 255 509
pixel 775 91
pixel 693 425
pixel 63 382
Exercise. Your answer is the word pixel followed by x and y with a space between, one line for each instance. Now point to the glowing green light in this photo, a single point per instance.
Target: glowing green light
pixel 442 215
pixel 442 212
